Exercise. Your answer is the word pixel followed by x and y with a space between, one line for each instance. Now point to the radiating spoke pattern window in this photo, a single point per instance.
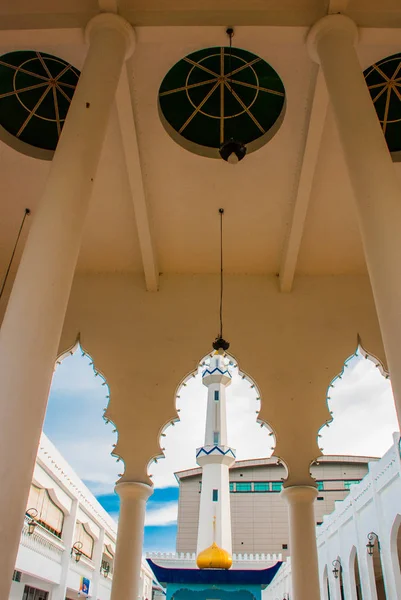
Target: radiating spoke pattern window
pixel 50 516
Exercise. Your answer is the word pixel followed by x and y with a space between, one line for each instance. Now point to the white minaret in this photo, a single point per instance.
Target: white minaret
pixel 215 458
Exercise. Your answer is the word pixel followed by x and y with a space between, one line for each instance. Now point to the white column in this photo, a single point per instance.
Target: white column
pixel 302 536
pixel 32 325
pixel 375 185
pixel 67 537
pixel 97 561
pixel 128 558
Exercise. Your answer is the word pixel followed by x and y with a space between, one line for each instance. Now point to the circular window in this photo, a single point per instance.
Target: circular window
pixel 35 94
pixel 217 94
pixel 384 83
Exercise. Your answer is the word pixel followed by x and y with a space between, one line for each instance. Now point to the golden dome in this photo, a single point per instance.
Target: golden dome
pixel 214 558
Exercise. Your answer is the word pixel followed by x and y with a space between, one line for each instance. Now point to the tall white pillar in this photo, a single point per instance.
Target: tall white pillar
pixel 97 561
pixel 67 537
pixel 32 325
pixel 128 558
pixel 215 457
pixel 302 536
pixel 376 188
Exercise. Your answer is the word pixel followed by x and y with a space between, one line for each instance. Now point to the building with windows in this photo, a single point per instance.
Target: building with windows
pixel 120 121
pixel 359 542
pixel 259 518
pixel 68 540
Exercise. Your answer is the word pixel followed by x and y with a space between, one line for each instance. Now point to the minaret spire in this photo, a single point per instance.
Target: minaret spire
pixel 215 458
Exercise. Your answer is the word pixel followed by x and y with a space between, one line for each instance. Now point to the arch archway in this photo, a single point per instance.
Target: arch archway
pixel 395 550
pixel 326 585
pixel 378 571
pixel 354 575
pixel 246 434
pixel 341 580
pixel 76 417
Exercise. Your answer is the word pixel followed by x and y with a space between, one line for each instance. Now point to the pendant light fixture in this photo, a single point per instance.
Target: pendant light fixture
pixel 220 344
pixel 232 151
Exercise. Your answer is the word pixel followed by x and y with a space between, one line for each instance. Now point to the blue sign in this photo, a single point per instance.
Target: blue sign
pixel 84 587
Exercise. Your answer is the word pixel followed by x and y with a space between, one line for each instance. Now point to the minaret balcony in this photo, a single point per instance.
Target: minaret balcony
pixel 215 454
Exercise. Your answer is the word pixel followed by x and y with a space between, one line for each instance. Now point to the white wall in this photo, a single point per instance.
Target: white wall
pixel 372 505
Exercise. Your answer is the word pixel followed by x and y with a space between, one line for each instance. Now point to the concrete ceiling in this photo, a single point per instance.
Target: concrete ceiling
pixel 289 206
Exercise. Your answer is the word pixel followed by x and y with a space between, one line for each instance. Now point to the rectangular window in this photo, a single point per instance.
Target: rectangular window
pixel 216 437
pixel 277 486
pixel 87 541
pixel 231 486
pixel 244 487
pixel 215 495
pixel 31 593
pixel 50 516
pixel 320 485
pixel 17 576
pixel 261 486
pixel 216 395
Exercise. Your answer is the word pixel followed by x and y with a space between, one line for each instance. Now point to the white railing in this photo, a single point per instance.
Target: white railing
pixel 42 542
pixel 191 556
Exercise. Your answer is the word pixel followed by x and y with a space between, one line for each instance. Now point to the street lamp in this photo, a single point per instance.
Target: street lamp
pixel 373 538
pixel 77 550
pixel 337 568
pixel 32 523
pixel 105 568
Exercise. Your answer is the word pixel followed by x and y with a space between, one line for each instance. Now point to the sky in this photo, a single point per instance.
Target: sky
pixel 363 422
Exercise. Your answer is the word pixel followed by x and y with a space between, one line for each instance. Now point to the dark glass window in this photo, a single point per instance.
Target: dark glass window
pixel 231 486
pixel 216 395
pixel 215 495
pixel 31 593
pixel 277 486
pixel 244 487
pixel 320 485
pixel 347 484
pixel 261 486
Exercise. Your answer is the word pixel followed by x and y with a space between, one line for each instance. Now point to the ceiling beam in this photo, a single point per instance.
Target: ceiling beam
pixel 311 152
pixel 135 178
pixel 110 6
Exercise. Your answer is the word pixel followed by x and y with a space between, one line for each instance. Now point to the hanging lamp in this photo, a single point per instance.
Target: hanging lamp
pixel 220 344
pixel 232 151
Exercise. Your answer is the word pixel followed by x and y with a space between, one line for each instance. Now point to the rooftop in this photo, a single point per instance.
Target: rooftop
pixel 274 462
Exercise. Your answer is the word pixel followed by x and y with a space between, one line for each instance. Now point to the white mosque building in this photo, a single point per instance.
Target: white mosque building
pixel 68 540
pixel 118 121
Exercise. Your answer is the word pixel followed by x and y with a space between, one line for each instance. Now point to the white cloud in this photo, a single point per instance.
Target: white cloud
pixel 163 514
pixel 363 412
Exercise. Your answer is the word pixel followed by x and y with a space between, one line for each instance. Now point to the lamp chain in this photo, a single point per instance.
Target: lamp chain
pixel 3 285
